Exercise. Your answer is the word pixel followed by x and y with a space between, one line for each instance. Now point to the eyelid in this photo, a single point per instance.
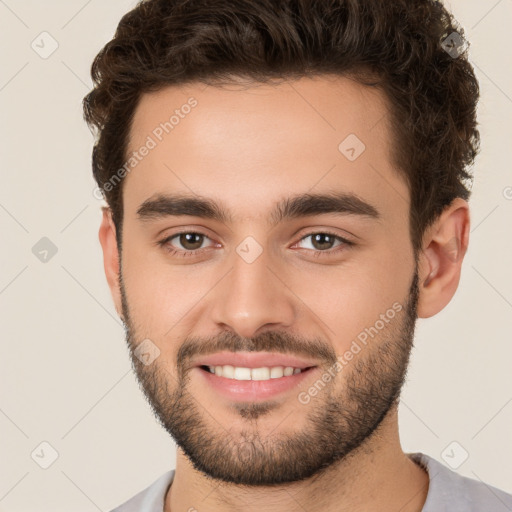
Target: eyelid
pixel 167 239
pixel 345 242
pixel 326 231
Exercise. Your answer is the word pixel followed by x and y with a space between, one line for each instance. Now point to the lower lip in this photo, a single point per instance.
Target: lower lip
pixel 253 390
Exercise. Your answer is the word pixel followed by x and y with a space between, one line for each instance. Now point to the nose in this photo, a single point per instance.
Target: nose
pixel 253 297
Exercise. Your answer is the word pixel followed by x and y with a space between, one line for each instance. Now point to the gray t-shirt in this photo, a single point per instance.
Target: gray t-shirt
pixel 448 492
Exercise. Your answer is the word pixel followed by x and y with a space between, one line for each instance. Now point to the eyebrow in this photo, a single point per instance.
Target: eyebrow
pixel 303 205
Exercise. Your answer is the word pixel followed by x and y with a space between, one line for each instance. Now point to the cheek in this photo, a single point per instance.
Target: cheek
pixel 341 301
pixel 346 300
pixel 161 296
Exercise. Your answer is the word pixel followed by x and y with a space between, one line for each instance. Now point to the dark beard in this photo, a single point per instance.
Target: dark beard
pixel 336 424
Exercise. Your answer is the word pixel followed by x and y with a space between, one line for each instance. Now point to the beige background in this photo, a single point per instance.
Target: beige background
pixel 65 376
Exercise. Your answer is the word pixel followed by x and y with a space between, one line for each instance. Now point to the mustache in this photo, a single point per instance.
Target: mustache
pixel 269 341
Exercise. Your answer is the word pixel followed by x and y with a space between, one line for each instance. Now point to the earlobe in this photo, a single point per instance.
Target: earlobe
pixel 108 241
pixel 440 262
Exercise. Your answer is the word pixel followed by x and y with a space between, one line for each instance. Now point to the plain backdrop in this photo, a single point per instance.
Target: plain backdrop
pixel 65 376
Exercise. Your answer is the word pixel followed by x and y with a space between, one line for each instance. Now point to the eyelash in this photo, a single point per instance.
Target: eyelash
pixel 317 253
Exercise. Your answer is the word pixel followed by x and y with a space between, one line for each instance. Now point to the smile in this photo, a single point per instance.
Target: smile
pixel 242 373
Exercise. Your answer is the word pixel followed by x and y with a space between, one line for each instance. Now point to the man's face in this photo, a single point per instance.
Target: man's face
pixel 332 293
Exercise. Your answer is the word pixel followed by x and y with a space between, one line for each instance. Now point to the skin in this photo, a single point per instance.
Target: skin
pixel 248 147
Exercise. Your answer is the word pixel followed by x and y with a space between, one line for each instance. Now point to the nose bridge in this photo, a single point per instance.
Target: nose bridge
pixel 251 295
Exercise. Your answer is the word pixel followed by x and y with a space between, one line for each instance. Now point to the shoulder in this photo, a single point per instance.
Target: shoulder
pixel 449 491
pixel 151 499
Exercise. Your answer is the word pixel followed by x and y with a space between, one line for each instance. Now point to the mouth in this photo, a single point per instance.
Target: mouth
pixel 261 374
pixel 249 376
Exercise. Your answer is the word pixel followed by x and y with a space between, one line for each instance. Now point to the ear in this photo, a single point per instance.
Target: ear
pixel 444 245
pixel 107 236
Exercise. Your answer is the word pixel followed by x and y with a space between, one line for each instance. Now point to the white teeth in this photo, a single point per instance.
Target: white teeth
pixel 242 373
pixel 264 373
pixel 276 372
pixel 227 371
pixel 260 374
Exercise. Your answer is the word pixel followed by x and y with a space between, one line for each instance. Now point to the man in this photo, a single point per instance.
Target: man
pixel 287 192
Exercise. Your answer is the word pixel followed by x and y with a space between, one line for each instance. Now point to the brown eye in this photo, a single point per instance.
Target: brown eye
pixel 191 241
pixel 322 241
pixel 185 243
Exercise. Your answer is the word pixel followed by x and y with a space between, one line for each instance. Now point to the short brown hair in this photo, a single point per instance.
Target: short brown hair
pixel 401 44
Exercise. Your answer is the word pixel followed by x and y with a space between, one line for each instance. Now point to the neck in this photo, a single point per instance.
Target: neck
pixel 375 476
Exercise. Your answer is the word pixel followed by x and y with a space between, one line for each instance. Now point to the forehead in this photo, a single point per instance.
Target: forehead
pixel 249 144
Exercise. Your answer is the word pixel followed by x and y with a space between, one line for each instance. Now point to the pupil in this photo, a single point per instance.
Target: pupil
pixel 186 240
pixel 319 241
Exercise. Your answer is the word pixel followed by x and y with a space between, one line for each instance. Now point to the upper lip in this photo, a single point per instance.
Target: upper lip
pixel 254 360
